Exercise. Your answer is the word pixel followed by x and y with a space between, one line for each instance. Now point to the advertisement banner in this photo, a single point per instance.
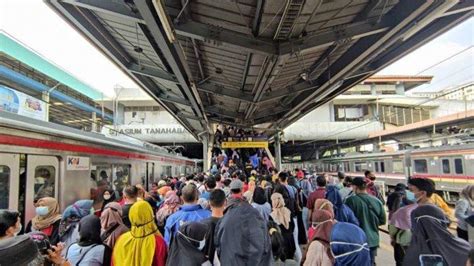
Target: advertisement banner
pixel 244 144
pixel 19 103
pixel 76 163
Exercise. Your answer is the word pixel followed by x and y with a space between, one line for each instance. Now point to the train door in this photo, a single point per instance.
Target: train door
pixel 9 180
pixel 150 175
pixel 41 180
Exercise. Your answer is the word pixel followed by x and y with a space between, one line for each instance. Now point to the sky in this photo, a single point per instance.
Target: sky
pixel 33 23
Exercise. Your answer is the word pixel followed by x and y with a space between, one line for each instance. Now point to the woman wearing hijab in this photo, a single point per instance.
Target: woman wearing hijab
pixel 429 226
pixel 320 204
pixel 349 245
pixel 319 250
pixel 47 219
pixel 399 226
pixel 170 206
pixel 187 247
pixel 112 224
pixel 342 213
pixel 143 244
pixel 260 203
pixel 464 209
pixel 68 228
pixel 248 195
pixel 282 217
pixel 108 196
pixel 89 250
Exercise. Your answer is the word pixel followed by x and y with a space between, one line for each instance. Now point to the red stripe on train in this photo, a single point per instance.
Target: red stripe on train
pixel 38 143
pixel 399 176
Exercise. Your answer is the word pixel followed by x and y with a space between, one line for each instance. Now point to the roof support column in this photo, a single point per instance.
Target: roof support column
pixel 277 145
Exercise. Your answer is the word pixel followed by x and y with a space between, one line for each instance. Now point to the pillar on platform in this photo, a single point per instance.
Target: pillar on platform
pixel 205 153
pixel 277 145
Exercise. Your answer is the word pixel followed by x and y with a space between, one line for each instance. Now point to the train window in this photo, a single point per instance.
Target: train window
pixel 397 166
pixel 445 163
pixel 4 186
pixel 458 166
pixel 382 167
pixel 346 167
pixel 421 166
pixel 359 167
pixel 44 181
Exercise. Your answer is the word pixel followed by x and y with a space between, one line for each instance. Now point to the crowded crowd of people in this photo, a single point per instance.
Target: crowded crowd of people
pixel 281 218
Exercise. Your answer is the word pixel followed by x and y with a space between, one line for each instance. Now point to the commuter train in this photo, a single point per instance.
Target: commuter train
pixel 451 167
pixel 39 158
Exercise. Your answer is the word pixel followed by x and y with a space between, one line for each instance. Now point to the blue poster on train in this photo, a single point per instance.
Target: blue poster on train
pixel 19 103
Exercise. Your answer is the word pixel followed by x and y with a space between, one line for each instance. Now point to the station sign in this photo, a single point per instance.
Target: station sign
pixel 244 144
pixel 19 103
pixel 161 133
pixel 77 163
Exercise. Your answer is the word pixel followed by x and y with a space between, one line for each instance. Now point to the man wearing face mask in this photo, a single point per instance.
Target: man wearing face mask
pixel 10 224
pixel 424 191
pixel 47 219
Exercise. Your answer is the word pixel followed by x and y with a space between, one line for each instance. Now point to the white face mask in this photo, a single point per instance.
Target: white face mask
pixel 417 219
pixel 42 211
pixel 202 243
pixel 107 196
pixel 316 225
pixel 358 249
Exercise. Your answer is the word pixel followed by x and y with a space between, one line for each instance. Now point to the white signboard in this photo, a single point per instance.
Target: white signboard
pixel 76 163
pixel 19 103
pixel 161 133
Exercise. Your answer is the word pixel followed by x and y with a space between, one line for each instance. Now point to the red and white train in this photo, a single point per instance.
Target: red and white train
pixel 38 157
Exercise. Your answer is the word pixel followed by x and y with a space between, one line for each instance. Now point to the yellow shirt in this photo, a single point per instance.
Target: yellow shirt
pixel 439 201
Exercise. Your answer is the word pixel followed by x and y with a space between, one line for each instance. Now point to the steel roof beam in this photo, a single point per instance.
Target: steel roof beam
pixel 367 9
pixel 187 115
pixel 169 50
pixel 151 72
pixel 336 34
pixel 99 36
pixel 223 91
pixel 462 6
pixel 400 16
pixel 218 35
pixel 439 26
pixel 258 17
pixel 215 110
pixel 109 7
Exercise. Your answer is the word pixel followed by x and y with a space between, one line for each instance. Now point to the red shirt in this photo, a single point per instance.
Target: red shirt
pixel 159 259
pixel 319 193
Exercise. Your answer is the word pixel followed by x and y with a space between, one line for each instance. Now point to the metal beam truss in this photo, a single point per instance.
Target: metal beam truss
pixel 218 35
pixel 79 13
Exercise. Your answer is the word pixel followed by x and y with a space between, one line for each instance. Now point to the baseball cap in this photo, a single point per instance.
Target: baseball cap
pixel 236 184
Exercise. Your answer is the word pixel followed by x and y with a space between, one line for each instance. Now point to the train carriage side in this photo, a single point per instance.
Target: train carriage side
pixel 451 167
pixel 39 158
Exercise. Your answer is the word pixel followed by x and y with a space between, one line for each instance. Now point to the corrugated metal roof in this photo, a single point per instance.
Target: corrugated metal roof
pixel 250 62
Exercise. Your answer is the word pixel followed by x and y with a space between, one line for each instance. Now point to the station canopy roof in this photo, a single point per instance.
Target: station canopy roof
pixel 255 63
